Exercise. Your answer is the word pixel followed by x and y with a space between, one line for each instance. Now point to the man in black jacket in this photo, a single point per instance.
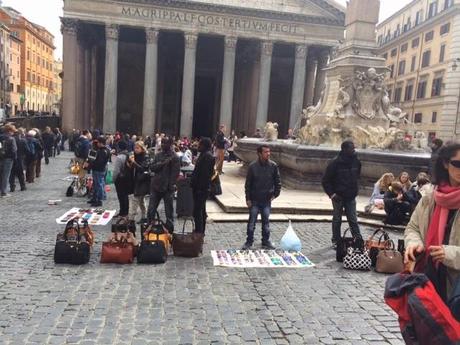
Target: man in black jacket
pixel 98 168
pixel 201 182
pixel 263 184
pixel 166 168
pixel 8 151
pixel 340 182
pixel 18 164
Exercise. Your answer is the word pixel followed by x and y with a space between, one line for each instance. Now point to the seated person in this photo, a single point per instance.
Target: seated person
pixel 380 187
pixel 418 189
pixel 404 178
pixel 396 208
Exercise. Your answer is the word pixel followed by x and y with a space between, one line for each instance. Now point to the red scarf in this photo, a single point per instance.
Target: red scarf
pixel 446 198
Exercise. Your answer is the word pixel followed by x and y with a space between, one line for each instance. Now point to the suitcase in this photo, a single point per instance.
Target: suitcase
pixel 184 202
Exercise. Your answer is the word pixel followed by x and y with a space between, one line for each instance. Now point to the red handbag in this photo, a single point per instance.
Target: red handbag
pixel 117 252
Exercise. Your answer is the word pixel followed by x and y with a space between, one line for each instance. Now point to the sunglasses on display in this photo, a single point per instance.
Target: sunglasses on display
pixel 455 164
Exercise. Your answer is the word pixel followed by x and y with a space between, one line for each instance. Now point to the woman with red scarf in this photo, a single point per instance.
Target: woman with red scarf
pixel 434 228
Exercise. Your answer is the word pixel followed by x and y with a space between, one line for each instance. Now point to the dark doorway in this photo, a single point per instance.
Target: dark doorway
pixel 170 70
pixel 203 109
pixel 131 70
pixel 279 105
pixel 208 81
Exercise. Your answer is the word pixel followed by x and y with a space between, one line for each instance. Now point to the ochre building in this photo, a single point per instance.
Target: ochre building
pixel 185 66
pixel 420 45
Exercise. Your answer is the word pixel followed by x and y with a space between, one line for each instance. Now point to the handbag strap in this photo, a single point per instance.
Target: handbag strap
pixel 72 224
pixel 376 232
pixel 345 232
pixel 384 236
pixel 389 245
pixel 185 222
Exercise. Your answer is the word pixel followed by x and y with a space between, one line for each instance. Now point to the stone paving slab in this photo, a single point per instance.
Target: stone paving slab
pixel 185 301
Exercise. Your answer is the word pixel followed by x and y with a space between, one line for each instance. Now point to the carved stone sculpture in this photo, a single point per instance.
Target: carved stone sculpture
pixel 271 131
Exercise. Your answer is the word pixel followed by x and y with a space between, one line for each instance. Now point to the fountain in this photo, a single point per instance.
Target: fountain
pixel 354 104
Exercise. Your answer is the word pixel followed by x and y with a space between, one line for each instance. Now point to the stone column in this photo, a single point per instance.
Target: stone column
pixel 69 33
pixel 228 77
pixel 150 81
pixel 93 94
pixel 298 84
pixel 80 83
pixel 109 124
pixel 87 88
pixel 320 74
pixel 310 81
pixel 188 85
pixel 264 83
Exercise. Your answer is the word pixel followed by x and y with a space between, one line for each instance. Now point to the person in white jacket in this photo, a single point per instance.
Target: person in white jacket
pixel 433 233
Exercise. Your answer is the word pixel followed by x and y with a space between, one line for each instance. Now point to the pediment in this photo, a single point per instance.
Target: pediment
pixel 316 10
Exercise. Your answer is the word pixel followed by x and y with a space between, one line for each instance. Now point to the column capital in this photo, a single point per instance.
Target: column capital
pixel 301 51
pixel 151 35
pixel 69 26
pixel 323 54
pixel 190 40
pixel 230 42
pixel 267 48
pixel 111 32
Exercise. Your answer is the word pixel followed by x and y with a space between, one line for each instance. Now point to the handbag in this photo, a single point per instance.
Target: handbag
pixel 70 189
pixel 152 251
pixel 375 246
pixel 343 244
pixel 189 245
pixel 70 247
pixel 117 252
pixel 389 260
pixel 454 300
pixel 88 233
pixel 216 188
pixel 124 225
pixel 157 230
pixel 357 259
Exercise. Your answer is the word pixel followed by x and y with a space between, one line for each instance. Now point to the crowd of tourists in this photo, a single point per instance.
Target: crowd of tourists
pixel 22 153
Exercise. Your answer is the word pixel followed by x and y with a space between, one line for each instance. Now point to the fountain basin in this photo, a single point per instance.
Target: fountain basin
pixel 303 166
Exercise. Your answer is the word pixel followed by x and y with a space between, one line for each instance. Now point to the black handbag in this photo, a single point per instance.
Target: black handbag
pixel 343 244
pixel 73 249
pixel 152 252
pixel 124 225
pixel 216 188
pixel 70 189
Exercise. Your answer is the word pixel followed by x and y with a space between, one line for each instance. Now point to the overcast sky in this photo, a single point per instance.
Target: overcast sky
pixel 47 13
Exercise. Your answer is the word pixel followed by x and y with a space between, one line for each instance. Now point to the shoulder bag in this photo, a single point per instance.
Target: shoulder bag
pixel 389 260
pixel 71 247
pixel 188 244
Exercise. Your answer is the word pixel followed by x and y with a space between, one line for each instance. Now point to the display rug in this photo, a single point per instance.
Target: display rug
pixel 260 258
pixel 94 216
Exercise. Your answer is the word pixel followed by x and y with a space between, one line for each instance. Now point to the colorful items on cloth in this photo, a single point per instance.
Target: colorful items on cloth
pixel 94 217
pixel 424 318
pixel 290 241
pixel 260 258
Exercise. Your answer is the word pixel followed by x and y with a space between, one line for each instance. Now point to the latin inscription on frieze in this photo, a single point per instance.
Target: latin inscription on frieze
pixel 211 20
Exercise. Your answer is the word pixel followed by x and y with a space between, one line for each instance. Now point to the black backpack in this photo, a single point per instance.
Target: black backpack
pixel 79 149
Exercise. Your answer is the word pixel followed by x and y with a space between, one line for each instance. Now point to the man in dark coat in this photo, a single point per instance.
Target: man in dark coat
pixel 165 168
pixel 340 182
pixel 18 164
pixel 98 167
pixel 48 142
pixel 220 148
pixel 7 156
pixel 201 183
pixel 263 184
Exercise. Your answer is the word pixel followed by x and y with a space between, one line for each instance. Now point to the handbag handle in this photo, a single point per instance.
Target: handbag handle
pixel 70 225
pixel 389 245
pixel 386 237
pixel 376 232
pixel 185 222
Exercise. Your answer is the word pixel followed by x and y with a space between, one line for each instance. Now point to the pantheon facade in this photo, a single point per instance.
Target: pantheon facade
pixel 185 66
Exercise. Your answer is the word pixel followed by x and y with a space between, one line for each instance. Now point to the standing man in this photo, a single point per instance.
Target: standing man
pixel 98 168
pixel 166 168
pixel 201 183
pixel 8 152
pixel 340 182
pixel 263 184
pixel 48 142
pixel 220 148
pixel 18 164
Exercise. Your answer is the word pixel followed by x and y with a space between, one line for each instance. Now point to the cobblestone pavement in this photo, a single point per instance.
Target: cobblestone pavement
pixel 185 301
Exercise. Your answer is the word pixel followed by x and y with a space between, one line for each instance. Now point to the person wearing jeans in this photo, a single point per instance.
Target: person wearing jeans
pixel 9 156
pixel 263 184
pixel 340 182
pixel 98 168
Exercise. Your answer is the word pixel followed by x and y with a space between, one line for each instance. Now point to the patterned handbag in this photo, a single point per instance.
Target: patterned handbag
pixel 357 259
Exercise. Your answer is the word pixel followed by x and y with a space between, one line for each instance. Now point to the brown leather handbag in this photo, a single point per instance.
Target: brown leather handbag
pixel 389 260
pixel 117 252
pixel 189 244
pixel 375 244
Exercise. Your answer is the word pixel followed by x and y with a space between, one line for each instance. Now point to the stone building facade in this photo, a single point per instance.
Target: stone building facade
pixel 420 43
pixel 14 75
pixel 184 66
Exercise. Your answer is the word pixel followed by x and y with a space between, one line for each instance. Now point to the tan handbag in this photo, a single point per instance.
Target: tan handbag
pixel 389 260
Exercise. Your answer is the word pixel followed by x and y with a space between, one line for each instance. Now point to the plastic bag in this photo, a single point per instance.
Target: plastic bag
pixel 290 241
